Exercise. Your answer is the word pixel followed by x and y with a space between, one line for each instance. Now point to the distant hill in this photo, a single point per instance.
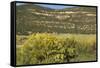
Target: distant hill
pixel 33 18
pixel 87 9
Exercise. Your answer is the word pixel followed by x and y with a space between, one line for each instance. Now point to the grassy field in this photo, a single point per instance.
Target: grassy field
pixel 44 48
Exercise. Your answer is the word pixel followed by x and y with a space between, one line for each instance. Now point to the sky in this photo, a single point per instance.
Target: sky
pixel 50 6
pixel 55 6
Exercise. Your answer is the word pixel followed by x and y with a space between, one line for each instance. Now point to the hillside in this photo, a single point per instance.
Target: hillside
pixel 33 18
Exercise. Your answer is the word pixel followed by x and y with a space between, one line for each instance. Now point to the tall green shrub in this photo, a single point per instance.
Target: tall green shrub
pixel 46 48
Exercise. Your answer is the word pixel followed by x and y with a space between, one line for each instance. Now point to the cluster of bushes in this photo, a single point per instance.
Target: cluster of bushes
pixel 44 48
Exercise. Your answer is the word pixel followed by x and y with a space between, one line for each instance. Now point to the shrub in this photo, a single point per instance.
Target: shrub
pixel 47 48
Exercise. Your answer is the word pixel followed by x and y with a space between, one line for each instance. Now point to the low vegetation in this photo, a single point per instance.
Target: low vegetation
pixel 44 48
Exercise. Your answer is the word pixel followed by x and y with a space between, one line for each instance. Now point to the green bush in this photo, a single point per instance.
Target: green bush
pixel 46 48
